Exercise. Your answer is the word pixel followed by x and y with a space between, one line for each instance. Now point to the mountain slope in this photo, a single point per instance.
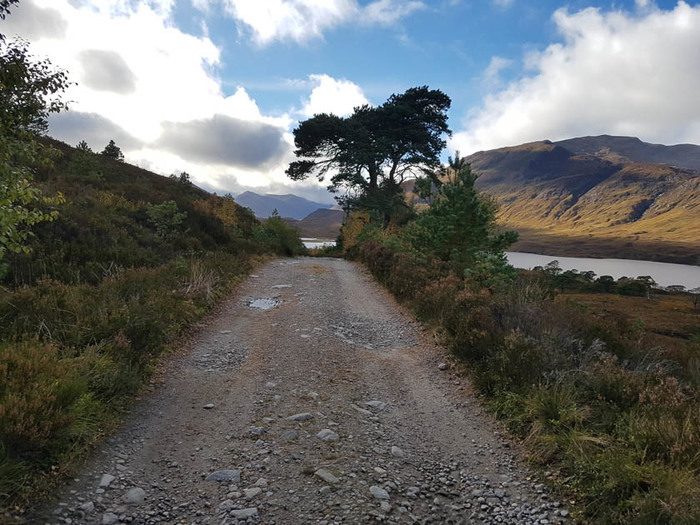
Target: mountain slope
pixel 286 205
pixel 321 224
pixel 597 196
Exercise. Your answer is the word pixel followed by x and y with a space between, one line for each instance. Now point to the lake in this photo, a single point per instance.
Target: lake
pixel 665 274
pixel 311 243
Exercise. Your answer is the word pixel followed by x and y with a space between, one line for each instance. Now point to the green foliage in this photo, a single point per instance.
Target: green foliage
pixel 166 219
pixel 5 10
pixel 458 228
pixel 183 178
pixel 112 151
pixel 29 91
pixel 84 162
pixel 279 237
pixel 371 152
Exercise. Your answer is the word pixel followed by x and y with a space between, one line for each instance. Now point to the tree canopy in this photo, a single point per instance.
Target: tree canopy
pixel 370 153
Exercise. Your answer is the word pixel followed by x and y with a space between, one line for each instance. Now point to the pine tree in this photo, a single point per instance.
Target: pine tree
pixel 113 151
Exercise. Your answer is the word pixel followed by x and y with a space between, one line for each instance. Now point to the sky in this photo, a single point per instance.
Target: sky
pixel 216 87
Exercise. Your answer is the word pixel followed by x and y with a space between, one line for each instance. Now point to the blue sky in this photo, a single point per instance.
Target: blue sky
pixel 215 87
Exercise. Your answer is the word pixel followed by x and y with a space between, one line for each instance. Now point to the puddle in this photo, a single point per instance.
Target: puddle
pixel 263 304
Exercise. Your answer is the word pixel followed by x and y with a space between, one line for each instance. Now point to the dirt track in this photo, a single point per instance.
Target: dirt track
pixel 330 342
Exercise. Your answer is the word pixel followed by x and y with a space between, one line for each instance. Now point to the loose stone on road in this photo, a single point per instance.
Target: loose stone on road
pixel 309 397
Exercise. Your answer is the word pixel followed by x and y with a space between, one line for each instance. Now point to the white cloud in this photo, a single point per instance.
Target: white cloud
pixel 492 73
pixel 303 20
pixel 614 73
pixel 387 12
pixel 329 95
pixel 296 20
pixel 154 89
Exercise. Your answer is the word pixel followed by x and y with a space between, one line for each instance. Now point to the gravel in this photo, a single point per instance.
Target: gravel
pixel 328 407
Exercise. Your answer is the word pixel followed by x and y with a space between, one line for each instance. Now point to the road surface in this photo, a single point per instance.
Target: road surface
pixel 308 397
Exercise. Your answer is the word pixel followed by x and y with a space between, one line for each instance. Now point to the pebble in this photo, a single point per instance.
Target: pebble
pixel 362 410
pixel 227 505
pixel 379 405
pixel 326 476
pixel 262 482
pixel 135 496
pixel 443 366
pixel 106 480
pixel 252 492
pixel 397 452
pixel 109 518
pixel 327 435
pixel 304 416
pixel 386 507
pixel 208 406
pixel 225 475
pixel 87 507
pixel 244 514
pixel 379 493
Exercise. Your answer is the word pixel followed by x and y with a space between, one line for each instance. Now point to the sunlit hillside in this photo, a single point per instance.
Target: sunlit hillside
pixel 602 204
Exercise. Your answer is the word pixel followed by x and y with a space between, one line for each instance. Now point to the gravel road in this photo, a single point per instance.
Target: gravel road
pixel 309 397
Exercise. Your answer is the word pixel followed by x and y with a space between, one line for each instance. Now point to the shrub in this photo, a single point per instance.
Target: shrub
pixel 593 398
pixel 279 237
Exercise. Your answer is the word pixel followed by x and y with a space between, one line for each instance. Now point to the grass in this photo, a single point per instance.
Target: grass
pixel 669 315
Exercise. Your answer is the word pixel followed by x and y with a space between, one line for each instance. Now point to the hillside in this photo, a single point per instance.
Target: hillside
pixel 321 224
pixel 120 216
pixel 598 196
pixel 286 205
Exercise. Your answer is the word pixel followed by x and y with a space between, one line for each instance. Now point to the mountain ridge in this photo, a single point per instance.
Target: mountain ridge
pixel 287 205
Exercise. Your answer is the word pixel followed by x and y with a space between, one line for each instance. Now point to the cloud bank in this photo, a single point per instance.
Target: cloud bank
pixel 157 93
pixel 616 73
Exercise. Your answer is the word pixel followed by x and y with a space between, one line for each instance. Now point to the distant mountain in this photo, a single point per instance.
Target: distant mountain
pixel 321 224
pixel 286 205
pixel 598 196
